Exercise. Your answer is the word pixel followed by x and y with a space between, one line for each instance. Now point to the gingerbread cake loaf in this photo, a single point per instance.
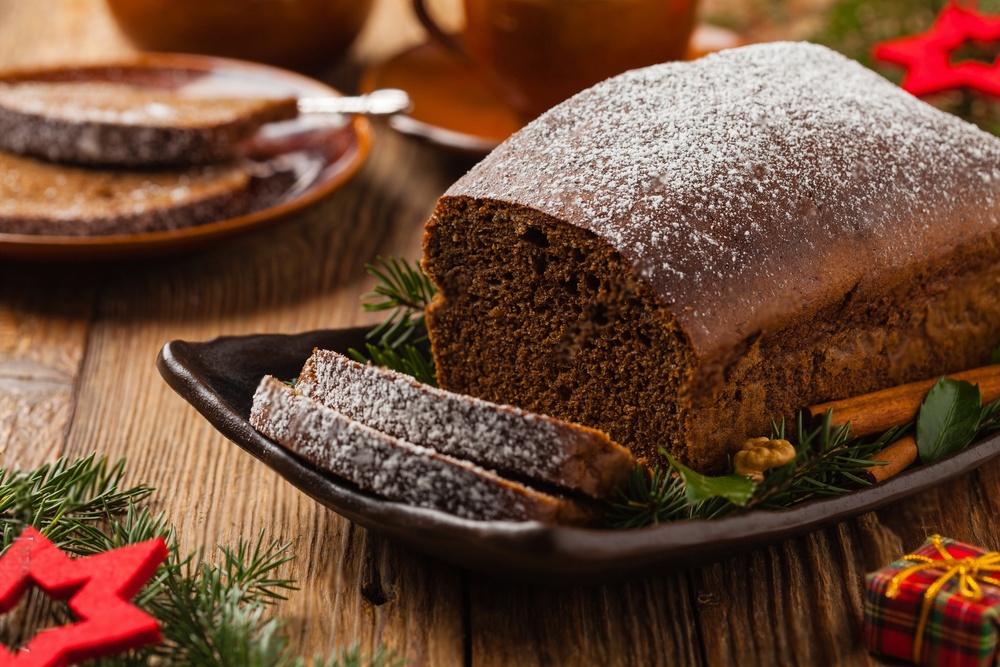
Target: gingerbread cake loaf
pixel 41 198
pixel 684 252
pixel 116 124
pixel 394 468
pixel 496 436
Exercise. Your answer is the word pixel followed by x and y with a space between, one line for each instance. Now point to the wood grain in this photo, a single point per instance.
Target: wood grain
pixel 77 346
pixel 44 319
pixel 640 623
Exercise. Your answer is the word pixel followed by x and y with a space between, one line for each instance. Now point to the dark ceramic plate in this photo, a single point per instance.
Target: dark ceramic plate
pixel 218 378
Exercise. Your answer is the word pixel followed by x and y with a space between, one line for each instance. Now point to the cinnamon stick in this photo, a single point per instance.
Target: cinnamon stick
pixel 898 456
pixel 879 411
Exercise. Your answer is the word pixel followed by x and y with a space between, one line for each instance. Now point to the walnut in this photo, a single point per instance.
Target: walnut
pixel 760 454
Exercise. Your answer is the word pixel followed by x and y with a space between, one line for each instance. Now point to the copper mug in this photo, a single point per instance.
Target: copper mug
pixel 302 34
pixel 540 52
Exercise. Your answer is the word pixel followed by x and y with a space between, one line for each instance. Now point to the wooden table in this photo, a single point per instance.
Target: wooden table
pixel 77 346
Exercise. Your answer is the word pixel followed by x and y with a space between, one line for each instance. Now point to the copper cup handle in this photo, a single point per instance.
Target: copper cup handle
pixel 438 34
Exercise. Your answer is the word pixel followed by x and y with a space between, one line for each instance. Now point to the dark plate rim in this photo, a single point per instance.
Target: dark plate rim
pixel 529 550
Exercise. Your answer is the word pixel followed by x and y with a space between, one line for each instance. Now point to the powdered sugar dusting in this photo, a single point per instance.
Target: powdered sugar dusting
pixel 391 467
pixel 498 436
pixel 745 184
pixel 41 198
pixel 96 102
pixel 104 123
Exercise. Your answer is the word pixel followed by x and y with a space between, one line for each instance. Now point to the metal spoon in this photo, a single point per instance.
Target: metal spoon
pixel 384 102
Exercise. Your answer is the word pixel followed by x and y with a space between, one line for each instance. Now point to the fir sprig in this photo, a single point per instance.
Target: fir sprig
pixel 210 613
pixel 64 500
pixel 649 498
pixel 402 287
pixel 828 462
pixel 410 360
pixel 399 341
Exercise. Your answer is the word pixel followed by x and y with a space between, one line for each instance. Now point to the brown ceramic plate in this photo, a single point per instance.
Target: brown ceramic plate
pixel 218 378
pixel 452 106
pixel 309 160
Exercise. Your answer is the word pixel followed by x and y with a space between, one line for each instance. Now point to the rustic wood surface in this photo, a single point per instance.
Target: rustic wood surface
pixel 77 346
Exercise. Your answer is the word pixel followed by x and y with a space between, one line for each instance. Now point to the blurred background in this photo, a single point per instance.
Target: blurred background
pixel 343 41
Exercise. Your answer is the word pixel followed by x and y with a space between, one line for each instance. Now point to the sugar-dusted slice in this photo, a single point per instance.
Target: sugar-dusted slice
pixel 117 124
pixel 396 469
pixel 37 197
pixel 498 436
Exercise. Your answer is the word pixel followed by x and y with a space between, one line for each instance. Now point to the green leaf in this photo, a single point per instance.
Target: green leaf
pixel 995 356
pixel 948 419
pixel 698 488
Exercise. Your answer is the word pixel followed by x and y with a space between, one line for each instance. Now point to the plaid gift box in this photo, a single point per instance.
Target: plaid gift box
pixel 937 606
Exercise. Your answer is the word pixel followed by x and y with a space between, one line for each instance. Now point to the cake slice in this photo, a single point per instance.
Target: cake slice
pixel 41 198
pixel 394 468
pixel 498 436
pixel 116 124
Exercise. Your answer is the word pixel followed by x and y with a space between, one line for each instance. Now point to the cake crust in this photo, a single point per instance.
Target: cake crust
pixel 752 186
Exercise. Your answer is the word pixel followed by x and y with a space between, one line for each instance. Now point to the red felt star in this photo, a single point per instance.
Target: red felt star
pixel 98 587
pixel 927 57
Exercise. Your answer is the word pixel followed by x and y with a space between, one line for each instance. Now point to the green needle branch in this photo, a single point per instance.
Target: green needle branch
pixel 828 462
pixel 211 613
pixel 400 341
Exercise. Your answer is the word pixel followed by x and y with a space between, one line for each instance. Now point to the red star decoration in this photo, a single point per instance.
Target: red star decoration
pixel 927 57
pixel 98 587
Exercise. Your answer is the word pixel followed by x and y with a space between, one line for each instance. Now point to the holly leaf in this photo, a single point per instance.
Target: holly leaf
pixel 948 419
pixel 698 488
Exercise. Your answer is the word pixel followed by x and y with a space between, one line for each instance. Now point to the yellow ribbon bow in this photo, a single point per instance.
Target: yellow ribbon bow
pixel 970 571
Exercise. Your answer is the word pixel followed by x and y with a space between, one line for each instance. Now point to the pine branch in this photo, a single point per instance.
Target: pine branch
pixel 650 497
pixel 404 289
pixel 401 284
pixel 399 342
pixel 210 613
pixel 63 500
pixel 828 462
pixel 409 360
